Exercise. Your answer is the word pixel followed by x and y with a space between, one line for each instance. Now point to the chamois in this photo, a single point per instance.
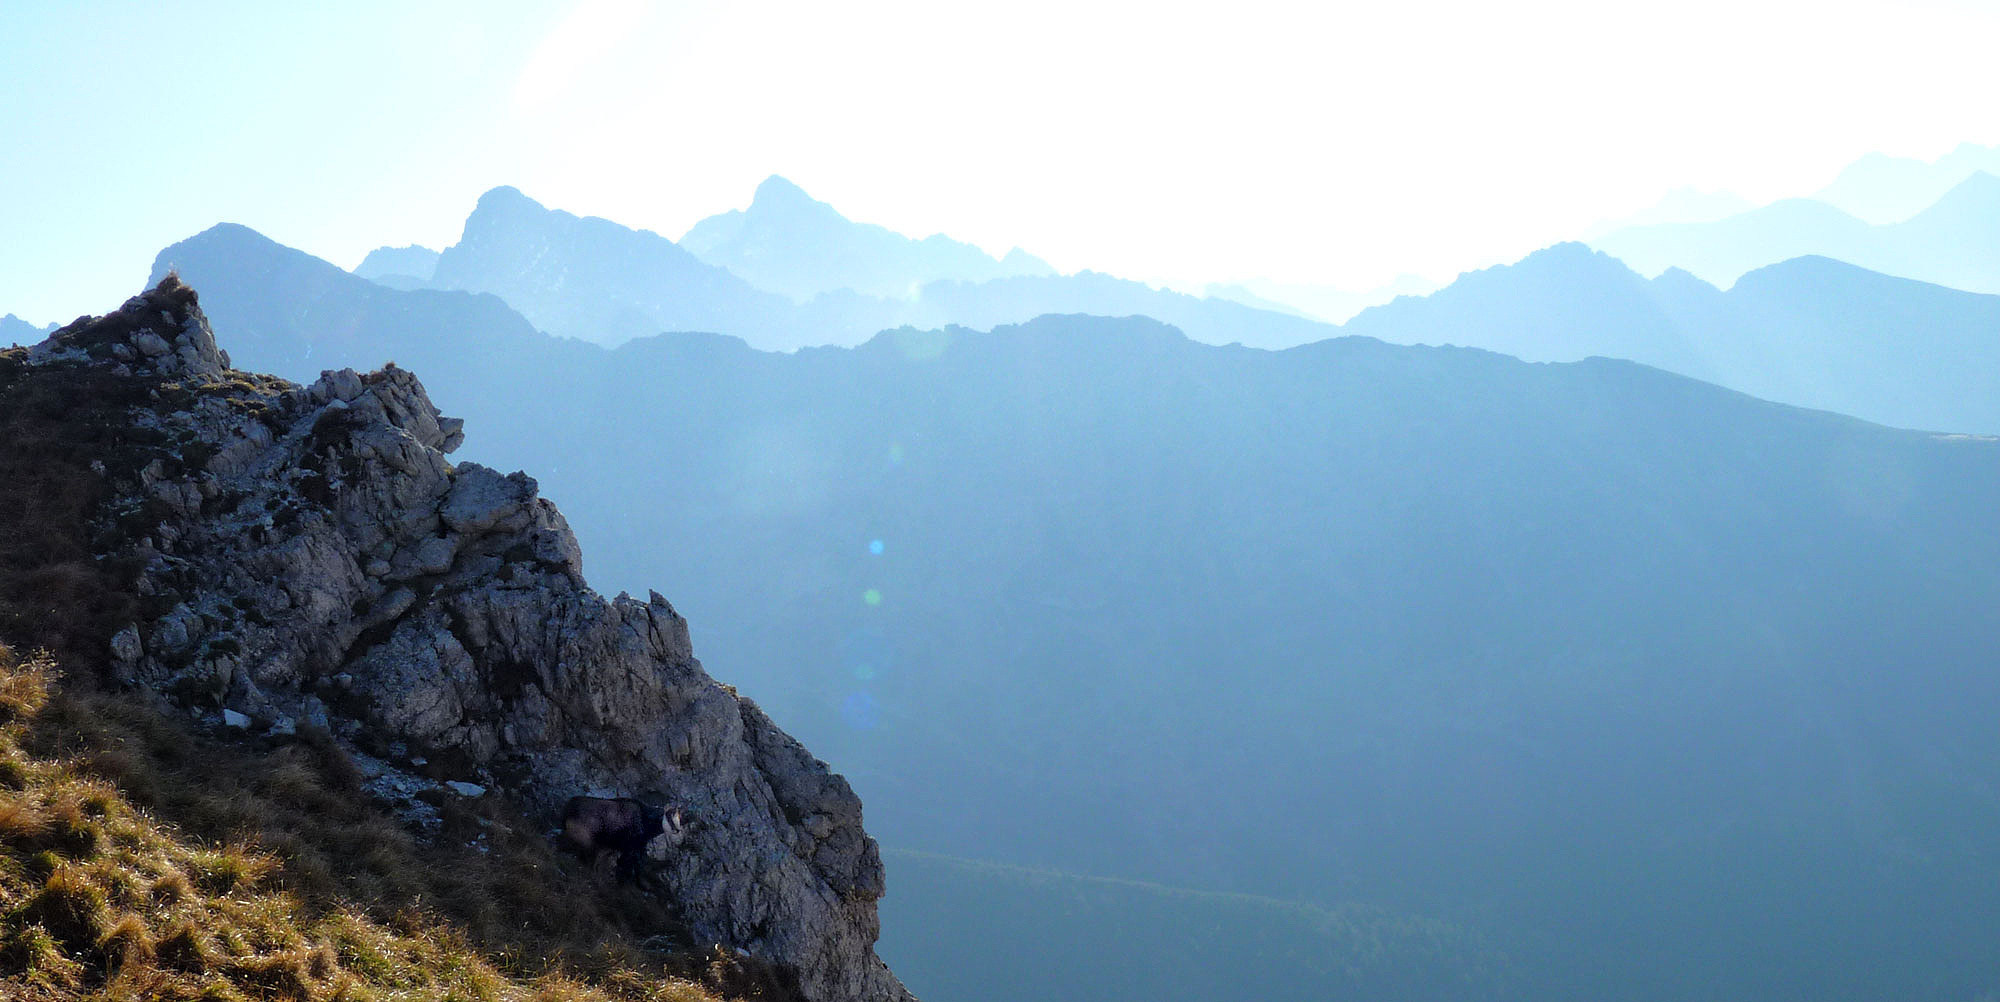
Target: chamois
pixel 593 826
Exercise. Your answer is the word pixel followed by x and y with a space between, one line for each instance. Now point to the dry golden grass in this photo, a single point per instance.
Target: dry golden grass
pixel 102 898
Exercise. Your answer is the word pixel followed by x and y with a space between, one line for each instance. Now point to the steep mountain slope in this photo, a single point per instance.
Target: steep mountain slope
pixel 1656 687
pixel 305 557
pixel 1955 242
pixel 1811 331
pixel 14 330
pixel 592 279
pixel 598 281
pixel 310 315
pixel 790 243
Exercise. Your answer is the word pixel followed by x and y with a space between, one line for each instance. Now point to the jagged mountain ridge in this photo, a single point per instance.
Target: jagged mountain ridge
pixel 597 281
pixel 790 243
pixel 320 563
pixel 1955 242
pixel 592 279
pixel 1895 351
pixel 14 330
pixel 1811 331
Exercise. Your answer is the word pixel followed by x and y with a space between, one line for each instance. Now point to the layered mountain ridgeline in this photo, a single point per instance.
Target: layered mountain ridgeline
pixel 592 279
pixel 302 560
pixel 597 281
pixel 1955 242
pixel 1656 687
pixel 1885 189
pixel 790 243
pixel 399 267
pixel 1811 331
pixel 1320 302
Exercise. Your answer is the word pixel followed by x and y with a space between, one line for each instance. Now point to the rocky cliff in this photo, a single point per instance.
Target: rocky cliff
pixel 310 558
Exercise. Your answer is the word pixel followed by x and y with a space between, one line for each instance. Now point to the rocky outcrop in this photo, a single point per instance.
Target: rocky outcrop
pixel 315 560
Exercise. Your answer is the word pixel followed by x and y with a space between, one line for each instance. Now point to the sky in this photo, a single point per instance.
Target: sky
pixel 1332 143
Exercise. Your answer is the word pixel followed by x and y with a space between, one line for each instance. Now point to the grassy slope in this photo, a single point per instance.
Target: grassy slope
pixel 100 897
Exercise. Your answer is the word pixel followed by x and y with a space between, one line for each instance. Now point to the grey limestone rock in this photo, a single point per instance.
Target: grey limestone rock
pixel 327 548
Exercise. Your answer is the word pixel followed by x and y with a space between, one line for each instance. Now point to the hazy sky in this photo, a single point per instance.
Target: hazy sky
pixel 1339 143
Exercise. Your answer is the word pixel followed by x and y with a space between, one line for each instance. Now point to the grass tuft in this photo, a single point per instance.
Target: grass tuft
pixel 69 908
pixel 184 948
pixel 128 943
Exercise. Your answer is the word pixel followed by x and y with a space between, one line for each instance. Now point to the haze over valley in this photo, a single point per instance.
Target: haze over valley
pixel 1222 544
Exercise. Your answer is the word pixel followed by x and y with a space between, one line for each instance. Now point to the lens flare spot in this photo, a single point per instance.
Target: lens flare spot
pixel 861 711
pixel 867 653
pixel 875 547
pixel 895 453
pixel 872 597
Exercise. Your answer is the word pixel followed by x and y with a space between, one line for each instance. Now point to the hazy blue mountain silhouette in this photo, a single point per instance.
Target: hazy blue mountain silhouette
pixel 1680 205
pixel 1954 242
pixel 605 283
pixel 310 315
pixel 1809 331
pixel 1012 300
pixel 787 242
pixel 592 279
pixel 14 330
pixel 1885 189
pixel 1316 301
pixel 1658 688
pixel 399 267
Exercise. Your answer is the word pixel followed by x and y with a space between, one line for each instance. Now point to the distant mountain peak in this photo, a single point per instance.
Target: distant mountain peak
pixel 791 243
pixel 1567 258
pixel 776 192
pixel 1568 250
pixel 503 194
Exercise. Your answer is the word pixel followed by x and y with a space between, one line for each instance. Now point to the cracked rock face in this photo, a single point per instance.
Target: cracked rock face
pixel 329 565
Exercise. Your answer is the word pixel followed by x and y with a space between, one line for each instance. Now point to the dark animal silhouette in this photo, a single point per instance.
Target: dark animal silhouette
pixel 593 826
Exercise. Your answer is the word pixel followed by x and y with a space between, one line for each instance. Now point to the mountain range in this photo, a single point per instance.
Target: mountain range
pixel 589 278
pixel 1954 242
pixel 1883 189
pixel 597 281
pixel 1809 331
pixel 1654 688
pixel 790 243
